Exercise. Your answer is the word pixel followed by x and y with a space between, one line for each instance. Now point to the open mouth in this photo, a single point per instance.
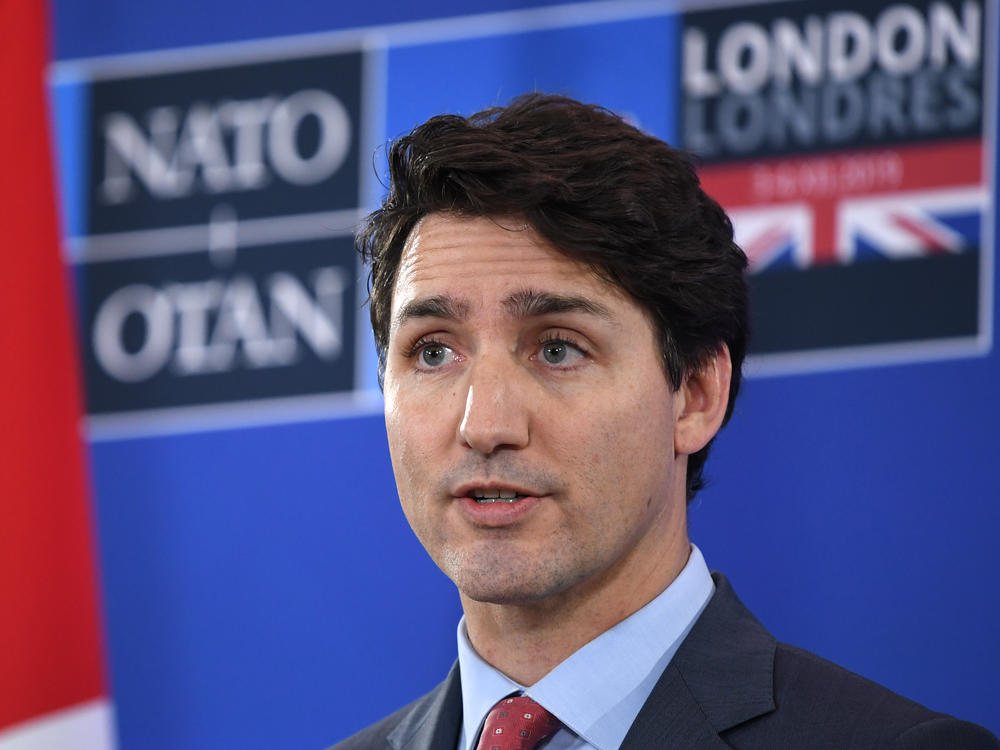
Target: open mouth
pixel 484 497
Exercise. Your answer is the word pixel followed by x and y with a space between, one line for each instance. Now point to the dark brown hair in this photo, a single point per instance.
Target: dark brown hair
pixel 602 192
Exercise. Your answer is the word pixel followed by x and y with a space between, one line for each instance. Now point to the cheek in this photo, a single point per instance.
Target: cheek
pixel 417 436
pixel 626 444
pixel 402 447
pixel 410 469
pixel 596 448
pixel 628 421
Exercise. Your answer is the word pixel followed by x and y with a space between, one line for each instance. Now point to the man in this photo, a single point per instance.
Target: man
pixel 561 317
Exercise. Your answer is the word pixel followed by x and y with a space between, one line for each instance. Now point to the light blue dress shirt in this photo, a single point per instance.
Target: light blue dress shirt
pixel 598 691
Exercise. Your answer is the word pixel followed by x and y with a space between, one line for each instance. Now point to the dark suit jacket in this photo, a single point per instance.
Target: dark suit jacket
pixel 730 685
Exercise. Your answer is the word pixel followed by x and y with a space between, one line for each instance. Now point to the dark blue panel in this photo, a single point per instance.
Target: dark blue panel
pixel 326 119
pixel 253 274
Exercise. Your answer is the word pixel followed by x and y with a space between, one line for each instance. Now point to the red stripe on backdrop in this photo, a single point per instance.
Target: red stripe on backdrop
pixel 49 634
pixel 846 173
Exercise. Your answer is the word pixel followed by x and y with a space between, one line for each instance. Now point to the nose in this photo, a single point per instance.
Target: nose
pixel 496 414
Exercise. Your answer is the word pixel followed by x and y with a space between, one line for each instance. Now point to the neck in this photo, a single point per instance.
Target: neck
pixel 526 641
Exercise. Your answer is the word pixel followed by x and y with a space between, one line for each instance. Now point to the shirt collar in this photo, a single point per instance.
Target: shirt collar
pixel 598 691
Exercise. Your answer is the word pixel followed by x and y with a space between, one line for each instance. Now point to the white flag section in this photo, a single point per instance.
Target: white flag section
pixel 88 726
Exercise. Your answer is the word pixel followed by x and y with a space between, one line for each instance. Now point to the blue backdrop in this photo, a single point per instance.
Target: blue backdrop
pixel 256 566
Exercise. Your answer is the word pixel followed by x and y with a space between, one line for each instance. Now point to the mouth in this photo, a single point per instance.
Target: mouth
pixel 492 491
pixel 492 504
pixel 486 497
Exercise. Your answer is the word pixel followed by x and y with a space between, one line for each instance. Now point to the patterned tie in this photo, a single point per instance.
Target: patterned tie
pixel 517 723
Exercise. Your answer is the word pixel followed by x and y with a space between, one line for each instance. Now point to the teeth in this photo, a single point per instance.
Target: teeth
pixel 492 496
pixel 495 494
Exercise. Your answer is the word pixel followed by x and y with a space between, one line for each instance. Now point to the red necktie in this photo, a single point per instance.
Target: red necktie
pixel 517 723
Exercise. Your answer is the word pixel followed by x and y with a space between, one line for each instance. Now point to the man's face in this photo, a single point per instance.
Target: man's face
pixel 530 422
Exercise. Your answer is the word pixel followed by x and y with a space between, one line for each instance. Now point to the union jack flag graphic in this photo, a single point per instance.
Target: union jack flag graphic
pixel 911 225
pixel 908 202
pixel 858 248
pixel 775 236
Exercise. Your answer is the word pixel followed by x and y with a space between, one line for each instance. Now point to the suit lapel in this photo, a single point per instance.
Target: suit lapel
pixel 672 718
pixel 721 676
pixel 435 721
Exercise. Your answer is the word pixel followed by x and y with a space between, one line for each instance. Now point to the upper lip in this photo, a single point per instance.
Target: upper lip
pixel 467 488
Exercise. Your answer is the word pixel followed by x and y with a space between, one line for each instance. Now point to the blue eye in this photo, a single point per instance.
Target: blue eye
pixel 435 355
pixel 560 352
pixel 555 353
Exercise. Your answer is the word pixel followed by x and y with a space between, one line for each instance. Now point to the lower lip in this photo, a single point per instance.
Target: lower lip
pixel 498 513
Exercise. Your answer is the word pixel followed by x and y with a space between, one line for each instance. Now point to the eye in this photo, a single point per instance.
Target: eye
pixel 432 354
pixel 560 352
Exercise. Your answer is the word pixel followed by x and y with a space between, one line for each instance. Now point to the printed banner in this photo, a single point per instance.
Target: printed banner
pixel 212 206
pixel 848 145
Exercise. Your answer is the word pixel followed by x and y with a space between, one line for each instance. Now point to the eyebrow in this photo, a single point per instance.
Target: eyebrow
pixel 438 306
pixel 525 303
pixel 531 303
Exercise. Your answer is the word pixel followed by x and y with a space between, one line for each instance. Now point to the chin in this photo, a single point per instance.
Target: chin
pixel 497 595
pixel 515 585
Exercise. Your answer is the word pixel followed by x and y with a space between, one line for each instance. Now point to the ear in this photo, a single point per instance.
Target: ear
pixel 701 403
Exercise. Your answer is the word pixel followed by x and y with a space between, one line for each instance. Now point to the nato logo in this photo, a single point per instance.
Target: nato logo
pixel 211 229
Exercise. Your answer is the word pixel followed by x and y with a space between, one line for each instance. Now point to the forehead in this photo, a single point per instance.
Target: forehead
pixel 483 255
